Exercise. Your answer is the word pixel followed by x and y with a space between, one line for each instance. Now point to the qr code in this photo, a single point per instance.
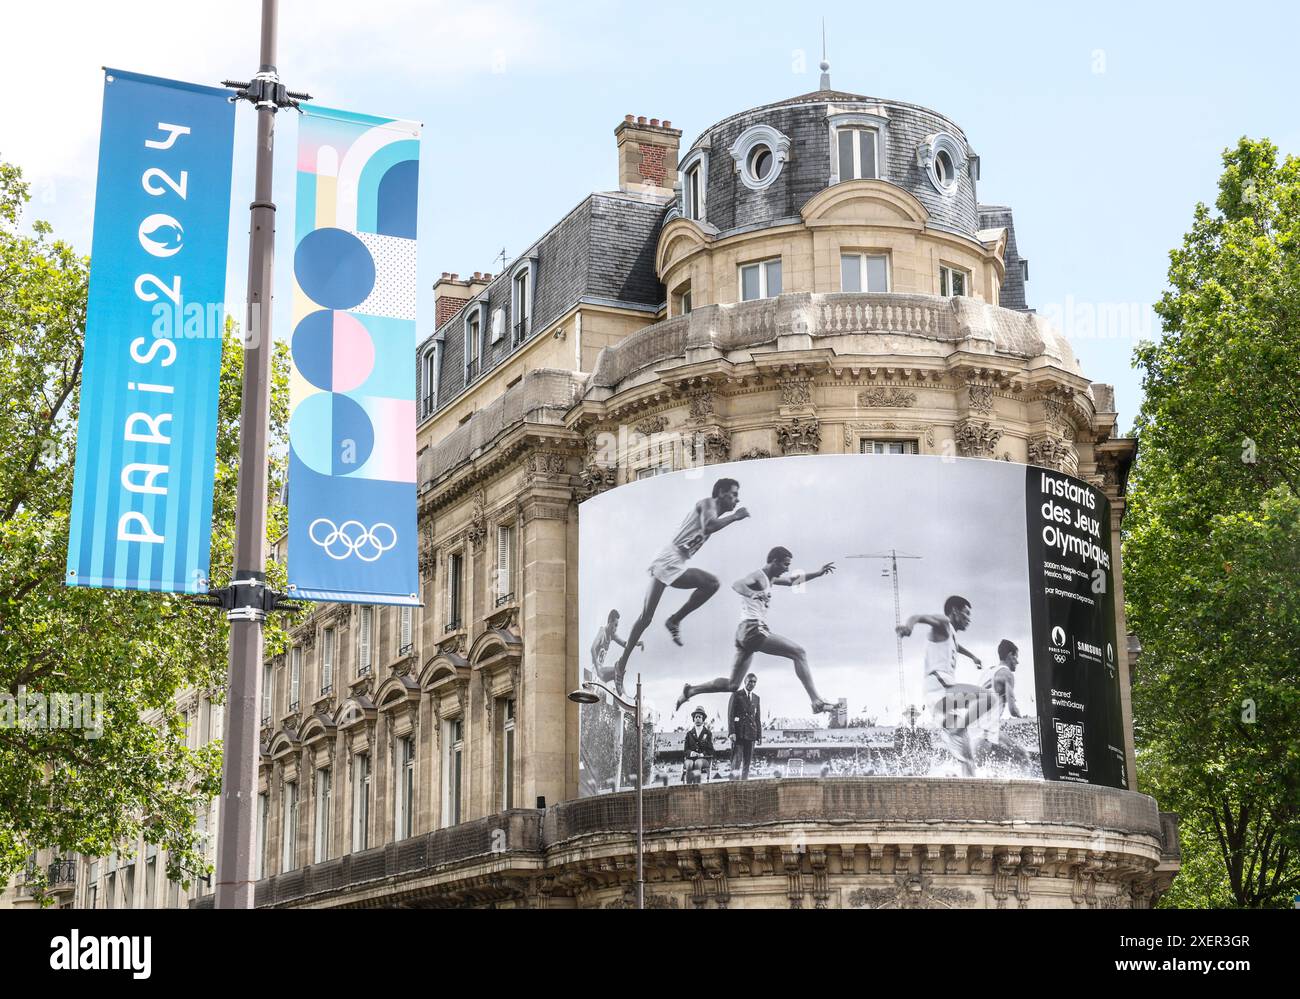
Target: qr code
pixel 1069 745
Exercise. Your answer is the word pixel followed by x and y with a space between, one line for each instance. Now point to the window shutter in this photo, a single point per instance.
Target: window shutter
pixel 327 660
pixel 363 639
pixel 295 676
pixel 498 324
pixel 406 628
pixel 505 534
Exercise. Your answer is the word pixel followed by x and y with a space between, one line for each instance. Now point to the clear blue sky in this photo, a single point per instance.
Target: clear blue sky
pixel 1101 125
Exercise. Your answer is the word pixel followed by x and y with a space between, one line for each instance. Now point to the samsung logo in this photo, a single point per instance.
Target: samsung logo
pixel 78 953
pixel 1090 649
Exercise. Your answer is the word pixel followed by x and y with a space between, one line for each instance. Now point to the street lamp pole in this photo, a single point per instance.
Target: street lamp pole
pixel 585 695
pixel 640 800
pixel 248 600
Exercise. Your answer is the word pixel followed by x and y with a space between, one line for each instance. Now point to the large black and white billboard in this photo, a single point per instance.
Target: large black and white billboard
pixel 892 615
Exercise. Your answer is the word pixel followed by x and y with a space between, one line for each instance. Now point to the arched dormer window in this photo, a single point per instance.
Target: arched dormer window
pixel 695 181
pixel 858 146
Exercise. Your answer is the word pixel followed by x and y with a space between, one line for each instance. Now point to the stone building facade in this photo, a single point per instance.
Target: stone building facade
pixel 815 275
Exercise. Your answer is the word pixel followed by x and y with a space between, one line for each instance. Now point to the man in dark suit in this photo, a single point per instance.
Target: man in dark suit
pixel 744 725
pixel 698 749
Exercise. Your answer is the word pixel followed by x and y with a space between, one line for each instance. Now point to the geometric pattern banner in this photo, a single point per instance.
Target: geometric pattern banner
pixel 352 534
pixel 146 436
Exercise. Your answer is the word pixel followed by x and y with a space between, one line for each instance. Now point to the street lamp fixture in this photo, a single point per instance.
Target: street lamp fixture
pixel 586 694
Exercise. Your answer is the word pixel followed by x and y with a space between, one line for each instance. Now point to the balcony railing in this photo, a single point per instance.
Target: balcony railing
pixel 406 650
pixel 521 330
pixel 505 598
pixel 471 371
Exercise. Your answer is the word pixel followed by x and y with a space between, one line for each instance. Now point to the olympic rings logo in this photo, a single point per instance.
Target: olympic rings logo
pixel 352 538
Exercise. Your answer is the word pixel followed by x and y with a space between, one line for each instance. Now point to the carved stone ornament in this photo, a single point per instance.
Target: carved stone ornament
pixel 754 452
pixel 796 392
pixel 976 438
pixel 980 397
pixel 477 529
pixel 854 431
pixel 545 465
pixel 701 404
pixel 880 397
pixel 595 479
pixel 1051 451
pixel 799 436
pixel 712 445
pixel 651 425
pixel 911 891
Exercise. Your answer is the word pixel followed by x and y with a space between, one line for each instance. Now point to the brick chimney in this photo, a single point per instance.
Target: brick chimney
pixel 451 293
pixel 647 155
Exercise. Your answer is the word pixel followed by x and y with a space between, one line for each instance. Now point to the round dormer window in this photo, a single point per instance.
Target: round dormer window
pixel 758 153
pixel 942 158
pixel 760 163
pixel 943 169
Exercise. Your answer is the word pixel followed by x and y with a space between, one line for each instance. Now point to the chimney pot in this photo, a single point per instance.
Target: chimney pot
pixel 667 123
pixel 628 118
pixel 640 119
pixel 655 122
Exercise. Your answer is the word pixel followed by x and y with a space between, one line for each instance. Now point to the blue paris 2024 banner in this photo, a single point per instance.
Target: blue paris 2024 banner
pixel 352 533
pixel 146 439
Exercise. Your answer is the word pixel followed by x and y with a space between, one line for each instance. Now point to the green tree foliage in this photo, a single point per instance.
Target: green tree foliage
pixel 60 790
pixel 1212 541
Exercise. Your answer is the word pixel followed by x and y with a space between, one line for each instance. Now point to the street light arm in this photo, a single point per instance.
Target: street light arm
pixel 626 705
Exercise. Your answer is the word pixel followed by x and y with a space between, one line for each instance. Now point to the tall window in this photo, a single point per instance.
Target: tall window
pixel 866 446
pixel 505 557
pixel 454 571
pixel 507 751
pixel 857 153
pixel 267 684
pixel 295 677
pixel 128 884
pixel 92 886
pixel 453 766
pixel 151 878
pixel 522 304
pixel 760 280
pixel 864 272
pixel 289 826
pixel 953 281
pixel 360 802
pixel 404 789
pixel 322 838
pixel 428 381
pixel 682 301
pixel 363 641
pixel 693 192
pixel 327 661
pixel 405 637
pixel 263 817
pixel 473 342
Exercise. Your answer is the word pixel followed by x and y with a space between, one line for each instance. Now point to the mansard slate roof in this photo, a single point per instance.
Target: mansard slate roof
pixel 601 252
pixel 731 205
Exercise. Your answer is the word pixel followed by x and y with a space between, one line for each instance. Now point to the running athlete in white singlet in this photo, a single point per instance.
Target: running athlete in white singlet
pixel 707 517
pixel 753 635
pixel 953 705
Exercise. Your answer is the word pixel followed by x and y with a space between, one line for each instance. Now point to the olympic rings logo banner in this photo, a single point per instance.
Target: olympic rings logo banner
pixel 851 615
pixel 146 436
pixel 352 538
pixel 352 517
